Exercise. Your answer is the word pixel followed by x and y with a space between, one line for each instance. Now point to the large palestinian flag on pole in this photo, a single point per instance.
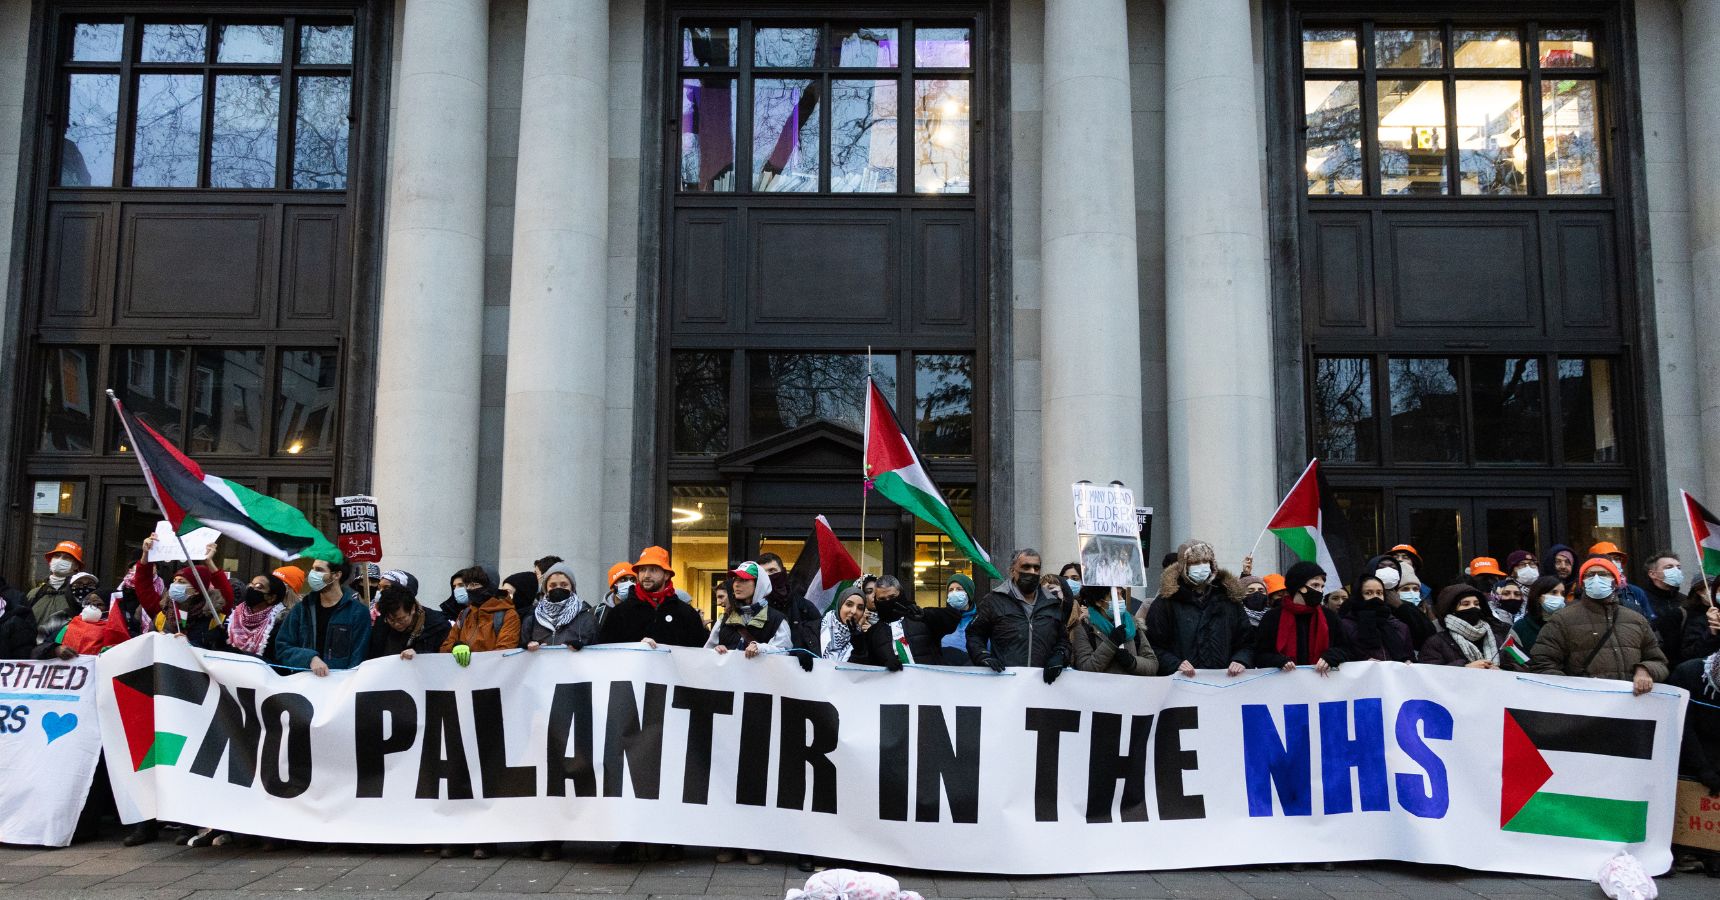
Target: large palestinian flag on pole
pixel 824 567
pixel 1705 531
pixel 894 470
pixel 1312 525
pixel 190 499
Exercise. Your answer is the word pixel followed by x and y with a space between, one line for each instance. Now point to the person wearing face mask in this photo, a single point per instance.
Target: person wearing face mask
pixel 959 595
pixel 1409 603
pixel 655 612
pixel 1665 595
pixel 523 588
pixel 1019 623
pixel 1506 602
pixel 1469 635
pixel 404 627
pixel 621 580
pixel 1523 568
pixel 1598 637
pixel 1102 645
pixel 559 617
pixel 1701 636
pixel 1373 630
pixel 1484 574
pixel 180 593
pixel 460 583
pixel 250 627
pixel 1630 596
pixel 329 630
pixel 99 625
pixel 1408 561
pixel 1546 596
pixel 1256 598
pixel 802 615
pixel 186 613
pixel 1198 620
pixel 52 594
pixel 1301 631
pixel 842 632
pixel 904 632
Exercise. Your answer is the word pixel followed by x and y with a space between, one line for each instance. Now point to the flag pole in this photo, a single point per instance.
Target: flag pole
pixel 865 467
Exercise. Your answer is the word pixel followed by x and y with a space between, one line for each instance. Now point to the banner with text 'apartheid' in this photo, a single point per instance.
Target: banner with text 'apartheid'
pixel 944 770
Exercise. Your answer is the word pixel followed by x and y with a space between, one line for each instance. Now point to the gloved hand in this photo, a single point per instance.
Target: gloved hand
pixel 1120 635
pixel 893 662
pixel 1126 655
pixel 576 645
pixel 995 664
pixel 1052 670
pixel 805 660
pixel 463 655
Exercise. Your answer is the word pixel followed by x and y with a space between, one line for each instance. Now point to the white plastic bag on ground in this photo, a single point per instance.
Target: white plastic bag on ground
pixel 1622 878
pixel 847 884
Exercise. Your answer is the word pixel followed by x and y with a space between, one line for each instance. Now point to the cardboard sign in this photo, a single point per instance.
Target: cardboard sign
pixel 357 530
pixel 1698 817
pixel 1108 533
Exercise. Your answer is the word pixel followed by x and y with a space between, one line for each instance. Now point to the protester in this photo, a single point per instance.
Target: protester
pixel 1599 637
pixel 53 595
pixel 294 577
pixel 560 617
pixel 654 611
pixel 841 634
pixel 523 588
pixel 621 580
pixel 1546 596
pixel 17 624
pixel 1018 623
pixel 329 630
pixel 1506 602
pixel 1071 573
pixel 802 616
pixel 1199 622
pixel 1484 574
pixel 1337 599
pixel 1409 561
pixel 250 628
pixel 459 586
pixel 747 622
pixel 1403 595
pixel 1522 568
pixel 404 627
pixel 1699 749
pixel 540 566
pixel 1701 636
pixel 1665 578
pixel 99 625
pixel 1469 634
pixel 960 596
pixel 1560 561
pixel 1629 595
pixel 906 633
pixel 366 581
pixel 487 622
pixel 1101 643
pixel 1301 631
pixel 1371 627
pixel 183 585
pixel 1257 595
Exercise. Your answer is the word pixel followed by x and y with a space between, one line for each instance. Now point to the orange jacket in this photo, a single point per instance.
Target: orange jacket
pixel 476 628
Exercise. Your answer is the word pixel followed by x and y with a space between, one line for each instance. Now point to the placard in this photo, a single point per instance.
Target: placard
pixel 1108 536
pixel 167 544
pixel 357 530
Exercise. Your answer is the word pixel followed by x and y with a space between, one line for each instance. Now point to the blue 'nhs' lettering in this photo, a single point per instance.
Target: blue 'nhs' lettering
pixel 1285 763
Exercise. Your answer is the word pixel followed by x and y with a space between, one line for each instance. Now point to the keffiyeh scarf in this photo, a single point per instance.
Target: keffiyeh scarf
pixel 555 616
pixel 248 629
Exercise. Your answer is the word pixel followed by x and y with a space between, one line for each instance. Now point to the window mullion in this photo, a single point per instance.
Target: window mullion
pixel 744 110
pixel 286 127
pixel 126 118
pixel 1370 114
pixel 1532 116
pixel 826 155
pixel 905 180
pixel 206 148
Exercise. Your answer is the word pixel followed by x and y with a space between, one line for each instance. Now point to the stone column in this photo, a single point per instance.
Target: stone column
pixel 426 464
pixel 1218 344
pixel 1701 103
pixel 1090 325
pixel 552 470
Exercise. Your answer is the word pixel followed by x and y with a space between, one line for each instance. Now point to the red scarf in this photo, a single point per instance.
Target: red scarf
pixel 655 598
pixel 1318 638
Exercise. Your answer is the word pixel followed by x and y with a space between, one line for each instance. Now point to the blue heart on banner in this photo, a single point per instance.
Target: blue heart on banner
pixel 58 725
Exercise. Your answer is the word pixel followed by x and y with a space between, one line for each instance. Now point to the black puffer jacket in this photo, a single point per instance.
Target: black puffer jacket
pixel 804 619
pixel 17 624
pixel 1004 628
pixel 1204 625
pixel 924 630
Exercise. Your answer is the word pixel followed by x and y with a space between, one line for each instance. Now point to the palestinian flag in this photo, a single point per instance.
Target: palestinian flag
pixel 190 499
pixel 894 470
pixel 824 569
pixel 1524 770
pixel 1513 651
pixel 1312 525
pixel 1705 531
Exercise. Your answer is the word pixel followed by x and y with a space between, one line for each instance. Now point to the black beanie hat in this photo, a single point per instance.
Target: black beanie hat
pixel 1298 576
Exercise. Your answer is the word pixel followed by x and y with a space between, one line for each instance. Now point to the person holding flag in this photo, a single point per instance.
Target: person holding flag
pixel 905 633
pixel 1301 631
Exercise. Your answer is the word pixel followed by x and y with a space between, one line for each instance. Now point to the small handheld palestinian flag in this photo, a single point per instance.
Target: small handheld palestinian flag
pixel 824 566
pixel 1512 651
pixel 189 499
pixel 1312 525
pixel 1705 531
pixel 899 642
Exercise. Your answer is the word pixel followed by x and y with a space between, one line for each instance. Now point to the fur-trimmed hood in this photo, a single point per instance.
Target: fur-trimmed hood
pixel 1171 581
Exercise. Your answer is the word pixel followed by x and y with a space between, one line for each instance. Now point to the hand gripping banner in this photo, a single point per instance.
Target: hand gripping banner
pixel 943 769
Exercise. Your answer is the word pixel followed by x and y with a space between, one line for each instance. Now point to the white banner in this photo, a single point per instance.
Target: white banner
pixel 50 740
pixel 944 769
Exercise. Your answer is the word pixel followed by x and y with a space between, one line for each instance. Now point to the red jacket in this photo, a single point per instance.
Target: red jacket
pixel 143 580
pixel 90 638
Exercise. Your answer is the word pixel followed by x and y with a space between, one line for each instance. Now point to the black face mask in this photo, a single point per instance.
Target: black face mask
pixel 80 592
pixel 1027 584
pixel 1471 615
pixel 255 599
pixel 1511 605
pixel 1255 602
pixel 558 595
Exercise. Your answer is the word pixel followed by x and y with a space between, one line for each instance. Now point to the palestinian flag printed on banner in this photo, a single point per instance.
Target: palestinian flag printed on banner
pixel 134 693
pixel 1312 525
pixel 894 470
pixel 824 566
pixel 189 498
pixel 1705 531
pixel 1523 769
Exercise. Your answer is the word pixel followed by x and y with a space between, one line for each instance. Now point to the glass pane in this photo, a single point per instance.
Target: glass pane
pixel 862 46
pixel 1329 48
pixel 943 404
pixel 710 47
pixel 698 541
pixel 247 124
pixel 701 402
pixel 1510 410
pixel 174 43
pixel 1582 512
pixel 1438 535
pixel 169 129
pixel 150 381
pixel 92 119
pixel 313 498
pixel 707 134
pixel 249 44
pixel 1412 137
pixel 97 42
pixel 1427 419
pixel 936 557
pixel 325 44
pixel 942 140
pixel 1492 148
pixel 785 134
pixel 1570 116
pixel 66 523
pixel 1334 136
pixel 68 400
pixel 1567 48
pixel 226 401
pixel 785 47
pixel 1408 48
pixel 1345 427
pixel 322 132
pixel 942 47
pixel 1486 48
pixel 307 405
pixel 863 136
pixel 1363 512
pixel 788 390
pixel 1587 411
pixel 1511 528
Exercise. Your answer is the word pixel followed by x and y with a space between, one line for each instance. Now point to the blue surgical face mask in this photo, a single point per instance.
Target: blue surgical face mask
pixel 179 593
pixel 316 580
pixel 1598 587
pixel 1552 603
pixel 1413 598
pixel 1075 585
pixel 460 596
pixel 1674 577
pixel 958 600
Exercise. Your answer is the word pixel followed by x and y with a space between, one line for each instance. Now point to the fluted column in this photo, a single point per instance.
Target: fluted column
pixel 552 471
pixel 1090 327
pixel 1701 104
pixel 1217 309
pixel 426 463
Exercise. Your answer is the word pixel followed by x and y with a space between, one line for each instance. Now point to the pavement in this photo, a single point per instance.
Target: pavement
pixel 162 871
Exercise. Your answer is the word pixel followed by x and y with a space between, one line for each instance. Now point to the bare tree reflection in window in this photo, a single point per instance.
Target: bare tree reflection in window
pixel 707 134
pixel 701 402
pixel 1425 410
pixel 943 394
pixel 92 123
pixel 1345 429
pixel 169 130
pixel 247 125
pixel 785 134
pixel 1333 116
pixel 322 132
pixel 174 43
pixel 789 390
pixel 863 134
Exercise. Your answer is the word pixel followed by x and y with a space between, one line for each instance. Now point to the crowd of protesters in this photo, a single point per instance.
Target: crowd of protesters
pixel 1558 613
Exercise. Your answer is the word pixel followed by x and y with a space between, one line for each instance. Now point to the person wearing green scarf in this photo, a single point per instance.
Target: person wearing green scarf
pixel 1102 645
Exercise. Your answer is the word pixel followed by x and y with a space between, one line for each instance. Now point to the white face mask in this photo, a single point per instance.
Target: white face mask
pixel 91 614
pixel 1200 573
pixel 1388 577
pixel 1674 577
pixel 1598 587
pixel 61 566
pixel 316 580
pixel 1552 603
pixel 1527 575
pixel 958 600
pixel 1413 598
